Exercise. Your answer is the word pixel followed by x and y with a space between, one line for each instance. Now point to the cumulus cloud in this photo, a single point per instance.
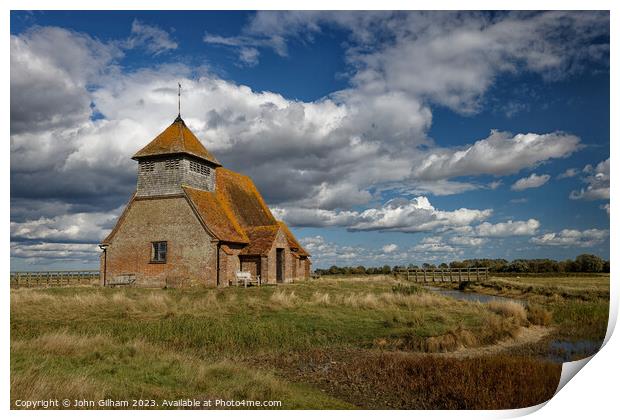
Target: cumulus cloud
pixel 598 183
pixel 433 245
pixel 510 228
pixel 569 173
pixel 152 38
pixel 51 69
pixel 314 161
pixel 78 227
pixel 326 253
pixel 572 238
pixel 43 252
pixel 471 49
pixel 389 248
pixel 467 241
pixel 499 154
pixel 532 181
pixel 415 215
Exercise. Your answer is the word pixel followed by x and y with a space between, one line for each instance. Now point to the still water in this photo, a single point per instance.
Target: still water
pixel 468 296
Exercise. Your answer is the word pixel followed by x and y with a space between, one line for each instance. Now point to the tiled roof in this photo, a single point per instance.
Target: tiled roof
pixel 241 196
pixel 292 242
pixel 261 239
pixel 237 213
pixel 216 216
pixel 175 139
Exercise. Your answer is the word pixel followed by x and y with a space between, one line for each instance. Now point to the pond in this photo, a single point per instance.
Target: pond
pixel 468 296
pixel 568 351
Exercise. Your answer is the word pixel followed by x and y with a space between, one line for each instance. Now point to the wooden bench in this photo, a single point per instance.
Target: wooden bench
pixel 245 277
pixel 122 280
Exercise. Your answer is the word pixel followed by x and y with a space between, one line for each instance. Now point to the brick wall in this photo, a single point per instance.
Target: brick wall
pixel 191 251
pixel 279 242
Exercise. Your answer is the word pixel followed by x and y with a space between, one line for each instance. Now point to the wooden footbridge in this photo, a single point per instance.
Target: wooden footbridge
pixel 442 274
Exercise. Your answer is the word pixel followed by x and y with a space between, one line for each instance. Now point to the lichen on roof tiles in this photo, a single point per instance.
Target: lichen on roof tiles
pixel 243 199
pixel 176 139
pixel 215 216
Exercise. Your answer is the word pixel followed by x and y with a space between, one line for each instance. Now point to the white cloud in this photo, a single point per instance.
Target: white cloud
pixel 154 39
pixel 78 227
pixel 495 184
pixel 532 181
pixel 249 56
pixel 457 55
pixel 569 173
pixel 509 228
pixel 50 71
pixel 389 248
pixel 434 247
pixel 598 183
pixel 312 160
pixel 55 251
pixel 499 154
pixel 467 241
pixel 572 237
pixel 415 215
pixel 440 187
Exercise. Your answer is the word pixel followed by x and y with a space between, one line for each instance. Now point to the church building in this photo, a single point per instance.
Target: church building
pixel 192 222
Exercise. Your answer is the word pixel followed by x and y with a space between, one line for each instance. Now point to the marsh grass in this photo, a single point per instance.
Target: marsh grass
pixel 385 380
pixel 509 309
pixel 538 315
pixel 119 343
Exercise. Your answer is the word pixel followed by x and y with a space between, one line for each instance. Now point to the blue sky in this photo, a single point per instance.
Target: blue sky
pixel 381 138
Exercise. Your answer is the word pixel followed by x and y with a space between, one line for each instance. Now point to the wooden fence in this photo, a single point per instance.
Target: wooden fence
pixel 54 278
pixel 443 274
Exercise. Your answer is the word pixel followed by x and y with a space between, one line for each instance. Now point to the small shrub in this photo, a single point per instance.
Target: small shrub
pixel 320 298
pixel 358 300
pixel 509 309
pixel 284 299
pixel 538 315
pixel 406 289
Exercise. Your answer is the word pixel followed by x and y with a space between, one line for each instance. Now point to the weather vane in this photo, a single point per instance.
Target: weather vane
pixel 179 99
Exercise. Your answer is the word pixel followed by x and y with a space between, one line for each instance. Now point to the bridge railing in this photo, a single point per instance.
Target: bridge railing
pixel 443 274
pixel 54 278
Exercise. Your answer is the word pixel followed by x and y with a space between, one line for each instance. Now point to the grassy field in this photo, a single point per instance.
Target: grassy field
pixel 366 342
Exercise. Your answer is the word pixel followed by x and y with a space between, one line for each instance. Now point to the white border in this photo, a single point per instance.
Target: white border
pixel 593 393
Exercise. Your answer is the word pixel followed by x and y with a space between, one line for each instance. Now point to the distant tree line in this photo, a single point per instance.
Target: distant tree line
pixel 585 263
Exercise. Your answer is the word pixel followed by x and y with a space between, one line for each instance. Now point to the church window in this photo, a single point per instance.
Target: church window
pixel 159 251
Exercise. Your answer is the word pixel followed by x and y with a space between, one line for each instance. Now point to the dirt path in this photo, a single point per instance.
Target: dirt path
pixel 528 335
